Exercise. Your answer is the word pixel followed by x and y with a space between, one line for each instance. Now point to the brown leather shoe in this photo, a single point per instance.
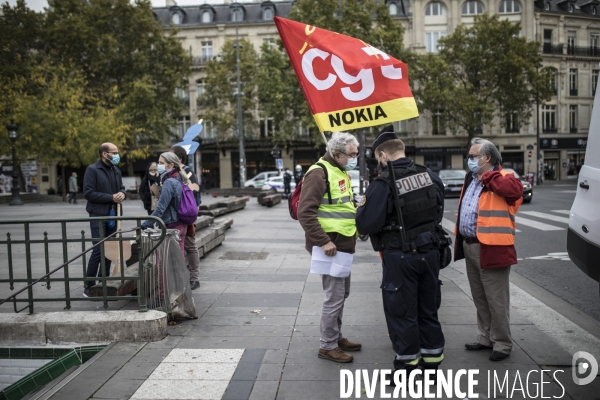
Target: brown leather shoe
pixel 337 355
pixel 347 345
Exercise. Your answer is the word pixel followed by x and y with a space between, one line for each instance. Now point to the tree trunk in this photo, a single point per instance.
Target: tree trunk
pixel 129 167
pixel 65 183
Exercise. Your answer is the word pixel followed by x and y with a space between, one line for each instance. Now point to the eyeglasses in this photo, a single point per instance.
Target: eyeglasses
pixel 352 155
pixel 473 156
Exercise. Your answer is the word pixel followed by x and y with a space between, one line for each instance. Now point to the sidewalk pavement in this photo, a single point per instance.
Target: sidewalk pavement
pixel 257 335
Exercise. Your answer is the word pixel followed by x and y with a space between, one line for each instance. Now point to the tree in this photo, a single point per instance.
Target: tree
pixel 219 101
pixel 280 96
pixel 128 64
pixel 63 123
pixel 482 72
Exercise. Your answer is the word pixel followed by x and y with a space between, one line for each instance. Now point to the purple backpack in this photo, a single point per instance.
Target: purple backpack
pixel 188 209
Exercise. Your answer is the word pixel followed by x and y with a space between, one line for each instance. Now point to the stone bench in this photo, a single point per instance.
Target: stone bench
pixel 261 196
pixel 272 199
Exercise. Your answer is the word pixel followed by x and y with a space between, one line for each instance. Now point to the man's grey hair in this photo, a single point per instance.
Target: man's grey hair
pixel 339 142
pixel 488 149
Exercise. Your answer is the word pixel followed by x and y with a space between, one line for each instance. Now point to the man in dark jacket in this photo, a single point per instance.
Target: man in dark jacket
pixel 103 189
pixel 287 182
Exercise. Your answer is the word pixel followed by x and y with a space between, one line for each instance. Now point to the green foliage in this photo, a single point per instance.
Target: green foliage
pixel 482 72
pixel 104 68
pixel 219 101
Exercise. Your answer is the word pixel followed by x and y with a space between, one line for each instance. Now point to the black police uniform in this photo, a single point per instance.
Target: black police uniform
pixel 410 286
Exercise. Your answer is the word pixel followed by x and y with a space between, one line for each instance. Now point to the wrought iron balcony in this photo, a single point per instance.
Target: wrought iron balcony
pixel 587 51
pixel 552 48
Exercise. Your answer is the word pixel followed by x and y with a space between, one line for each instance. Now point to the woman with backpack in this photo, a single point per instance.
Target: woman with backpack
pixel 167 209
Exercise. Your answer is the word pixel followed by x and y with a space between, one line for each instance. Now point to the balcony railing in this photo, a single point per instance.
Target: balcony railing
pixel 573 130
pixel 572 92
pixel 587 51
pixel 202 60
pixel 552 48
pixel 550 130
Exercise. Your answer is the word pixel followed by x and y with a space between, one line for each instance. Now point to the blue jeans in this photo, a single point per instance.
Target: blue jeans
pixel 94 262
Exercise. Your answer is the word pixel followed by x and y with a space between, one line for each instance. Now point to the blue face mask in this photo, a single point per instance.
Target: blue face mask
pixel 351 164
pixel 114 159
pixel 474 165
pixel 160 168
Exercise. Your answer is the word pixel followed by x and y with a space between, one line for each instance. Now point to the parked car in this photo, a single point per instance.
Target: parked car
pixel 527 188
pixel 260 179
pixel 453 180
pixel 132 183
pixel 583 237
pixel 276 182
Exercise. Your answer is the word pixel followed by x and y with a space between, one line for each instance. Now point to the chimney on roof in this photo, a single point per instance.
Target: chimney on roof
pixel 170 3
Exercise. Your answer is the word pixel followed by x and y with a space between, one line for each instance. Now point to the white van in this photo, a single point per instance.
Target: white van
pixel 260 179
pixel 583 238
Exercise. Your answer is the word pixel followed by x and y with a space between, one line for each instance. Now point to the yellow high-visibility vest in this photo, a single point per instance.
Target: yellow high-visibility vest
pixel 340 215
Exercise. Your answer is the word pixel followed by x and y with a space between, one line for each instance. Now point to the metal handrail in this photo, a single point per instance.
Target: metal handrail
pixel 143 257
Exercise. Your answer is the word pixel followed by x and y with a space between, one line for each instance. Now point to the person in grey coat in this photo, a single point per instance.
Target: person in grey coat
pixel 73 188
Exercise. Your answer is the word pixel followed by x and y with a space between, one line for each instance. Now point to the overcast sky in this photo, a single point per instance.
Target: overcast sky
pixel 38 5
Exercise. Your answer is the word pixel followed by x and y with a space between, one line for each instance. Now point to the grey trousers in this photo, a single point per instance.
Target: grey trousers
pixel 491 294
pixel 193 258
pixel 336 290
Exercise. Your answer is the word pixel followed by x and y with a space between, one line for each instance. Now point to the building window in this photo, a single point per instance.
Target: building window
pixel 207 52
pixel 206 17
pixel 571 41
pixel 435 9
pixel 547 6
pixel 554 80
pixel 209 131
pixel 472 8
pixel 573 118
pixel 431 41
pixel 509 6
pixel 571 8
pixel 176 19
pixel 268 14
pixel 438 122
pixel 512 123
pixel 270 43
pixel 393 8
pixel 549 119
pixel 573 82
pixel 595 73
pixel 594 10
pixel 237 15
pixel 183 94
pixel 267 127
pixel 181 128
pixel 594 39
pixel 199 88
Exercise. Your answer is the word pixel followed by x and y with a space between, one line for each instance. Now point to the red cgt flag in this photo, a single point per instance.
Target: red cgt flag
pixel 348 84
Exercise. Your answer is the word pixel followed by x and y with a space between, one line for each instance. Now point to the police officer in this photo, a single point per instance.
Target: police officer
pixel 404 227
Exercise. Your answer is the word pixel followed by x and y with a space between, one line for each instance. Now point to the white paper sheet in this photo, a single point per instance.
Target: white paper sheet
pixel 338 265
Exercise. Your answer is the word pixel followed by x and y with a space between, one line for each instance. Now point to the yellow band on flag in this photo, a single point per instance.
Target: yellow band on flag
pixel 362 117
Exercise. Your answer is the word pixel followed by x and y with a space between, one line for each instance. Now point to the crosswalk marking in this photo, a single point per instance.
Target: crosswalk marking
pixel 537 225
pixel 566 212
pixel 546 216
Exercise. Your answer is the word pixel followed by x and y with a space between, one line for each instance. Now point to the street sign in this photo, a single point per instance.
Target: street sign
pixel 279 163
pixel 529 154
pixel 529 147
pixel 276 153
pixel 529 161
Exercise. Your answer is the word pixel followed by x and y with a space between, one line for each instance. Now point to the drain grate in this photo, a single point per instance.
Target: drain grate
pixel 244 255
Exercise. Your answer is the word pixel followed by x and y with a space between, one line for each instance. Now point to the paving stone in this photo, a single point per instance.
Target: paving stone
pixel 137 370
pixel 194 371
pixel 151 355
pixel 270 372
pixel 238 390
pixel 169 342
pixel 181 390
pixel 244 311
pixel 264 390
pixel 253 356
pixel 118 388
pixel 258 300
pixel 235 342
pixel 541 347
pixel 204 356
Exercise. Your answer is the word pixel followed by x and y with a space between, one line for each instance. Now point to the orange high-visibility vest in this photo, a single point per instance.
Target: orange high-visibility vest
pixel 496 223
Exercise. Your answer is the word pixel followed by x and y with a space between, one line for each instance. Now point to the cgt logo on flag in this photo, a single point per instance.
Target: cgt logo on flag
pixel 348 84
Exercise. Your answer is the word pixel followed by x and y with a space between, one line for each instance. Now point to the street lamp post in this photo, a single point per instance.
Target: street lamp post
pixel 12 134
pixel 537 146
pixel 239 95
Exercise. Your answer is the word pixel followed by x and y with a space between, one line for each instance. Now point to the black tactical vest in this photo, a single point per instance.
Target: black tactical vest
pixel 419 208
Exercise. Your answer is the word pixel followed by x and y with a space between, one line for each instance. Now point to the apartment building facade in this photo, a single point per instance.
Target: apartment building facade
pixel 568 32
